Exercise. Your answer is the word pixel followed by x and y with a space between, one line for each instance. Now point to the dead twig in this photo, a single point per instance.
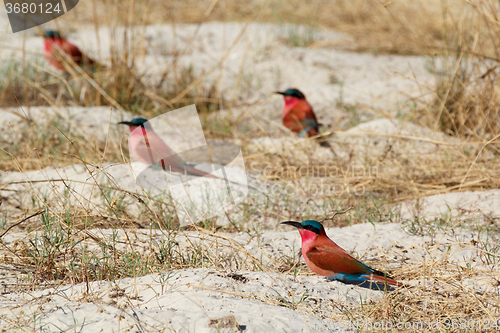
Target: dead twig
pixel 21 221
pixel 341 212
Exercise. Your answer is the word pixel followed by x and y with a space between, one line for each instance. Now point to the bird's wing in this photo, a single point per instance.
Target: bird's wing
pixel 293 121
pixel 71 50
pixel 310 118
pixel 144 153
pixel 311 123
pixel 296 122
pixel 309 113
pixel 153 150
pixel 157 154
pixel 331 257
pixel 77 55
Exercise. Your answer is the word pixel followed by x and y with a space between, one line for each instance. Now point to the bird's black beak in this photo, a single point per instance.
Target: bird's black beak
pixel 294 224
pixel 128 123
pixel 279 92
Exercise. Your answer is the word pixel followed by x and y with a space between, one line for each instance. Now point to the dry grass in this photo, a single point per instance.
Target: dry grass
pixel 63 245
pixel 376 26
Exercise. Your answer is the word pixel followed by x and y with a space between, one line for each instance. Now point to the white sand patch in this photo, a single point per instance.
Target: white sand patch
pixel 296 148
pixel 397 127
pixel 96 123
pixel 403 137
pixel 485 203
pixel 367 139
pixel 88 187
pixel 179 301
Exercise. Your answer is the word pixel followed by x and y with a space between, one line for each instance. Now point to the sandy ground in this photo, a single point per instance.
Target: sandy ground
pixel 456 204
pixel 187 300
pixel 326 75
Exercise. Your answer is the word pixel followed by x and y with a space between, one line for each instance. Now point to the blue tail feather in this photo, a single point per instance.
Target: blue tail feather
pixel 360 280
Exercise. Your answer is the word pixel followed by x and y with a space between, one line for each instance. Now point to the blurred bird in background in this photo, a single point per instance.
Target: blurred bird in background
pixel 55 44
pixel 147 147
pixel 326 258
pixel 298 115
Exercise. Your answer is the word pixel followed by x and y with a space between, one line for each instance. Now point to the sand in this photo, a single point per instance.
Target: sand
pixel 185 300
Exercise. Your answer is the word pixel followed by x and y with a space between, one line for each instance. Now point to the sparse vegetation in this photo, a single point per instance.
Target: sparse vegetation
pixel 298 36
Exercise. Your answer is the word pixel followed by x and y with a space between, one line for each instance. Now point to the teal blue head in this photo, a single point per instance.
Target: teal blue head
pixel 52 34
pixel 292 92
pixel 307 225
pixel 136 122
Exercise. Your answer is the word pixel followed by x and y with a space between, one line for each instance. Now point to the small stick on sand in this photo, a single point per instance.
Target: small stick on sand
pixel 17 223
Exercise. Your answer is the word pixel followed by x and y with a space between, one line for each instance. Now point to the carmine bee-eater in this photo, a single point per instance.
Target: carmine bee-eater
pixel 55 44
pixel 298 115
pixel 147 147
pixel 326 258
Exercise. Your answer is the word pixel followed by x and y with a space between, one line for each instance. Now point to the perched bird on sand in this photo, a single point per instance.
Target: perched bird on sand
pixel 326 258
pixel 298 115
pixel 147 147
pixel 55 44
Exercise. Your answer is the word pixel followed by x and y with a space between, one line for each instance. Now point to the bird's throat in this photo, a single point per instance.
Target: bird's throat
pixel 307 236
pixel 291 101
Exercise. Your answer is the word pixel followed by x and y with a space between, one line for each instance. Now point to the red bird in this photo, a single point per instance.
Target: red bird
pixel 326 258
pixel 149 148
pixel 298 115
pixel 55 44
